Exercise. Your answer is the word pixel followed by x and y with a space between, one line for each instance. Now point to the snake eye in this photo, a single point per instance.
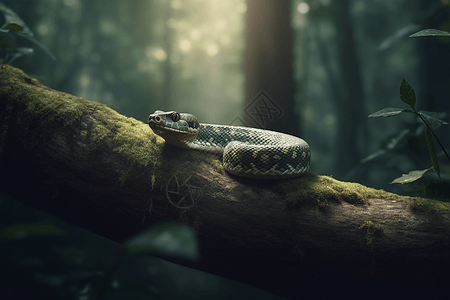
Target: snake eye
pixel 175 116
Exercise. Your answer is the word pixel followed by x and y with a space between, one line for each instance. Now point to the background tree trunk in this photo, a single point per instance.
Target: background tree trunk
pixel 268 67
pixel 351 133
pixel 109 174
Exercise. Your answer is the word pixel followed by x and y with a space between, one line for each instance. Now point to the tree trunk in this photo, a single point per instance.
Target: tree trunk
pixel 268 67
pixel 351 133
pixel 111 175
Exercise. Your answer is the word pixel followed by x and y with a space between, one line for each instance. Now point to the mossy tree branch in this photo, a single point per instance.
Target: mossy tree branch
pixel 111 175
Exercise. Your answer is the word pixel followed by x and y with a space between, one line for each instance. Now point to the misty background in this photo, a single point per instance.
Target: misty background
pixel 328 65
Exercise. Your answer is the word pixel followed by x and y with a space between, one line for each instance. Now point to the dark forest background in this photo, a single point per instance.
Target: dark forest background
pixel 327 64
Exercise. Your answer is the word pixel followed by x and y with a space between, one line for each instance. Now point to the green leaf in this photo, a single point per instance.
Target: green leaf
pixel 13 27
pixel 25 51
pixel 20 51
pixel 390 143
pixel 432 118
pixel 430 32
pixel 24 230
pixel 397 36
pixel 12 17
pixel 166 240
pixel 389 112
pixel 411 176
pixel 431 149
pixel 407 94
pixel 33 40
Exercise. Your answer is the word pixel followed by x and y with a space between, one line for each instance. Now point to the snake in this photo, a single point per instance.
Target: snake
pixel 247 152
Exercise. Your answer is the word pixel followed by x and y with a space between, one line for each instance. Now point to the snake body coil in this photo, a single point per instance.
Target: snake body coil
pixel 247 152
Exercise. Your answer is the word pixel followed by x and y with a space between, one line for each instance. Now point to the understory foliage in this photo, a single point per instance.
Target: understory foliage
pixel 51 263
pixel 54 263
pixel 14 28
pixel 431 120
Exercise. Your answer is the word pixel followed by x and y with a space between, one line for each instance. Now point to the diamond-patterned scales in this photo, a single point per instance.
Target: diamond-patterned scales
pixel 248 152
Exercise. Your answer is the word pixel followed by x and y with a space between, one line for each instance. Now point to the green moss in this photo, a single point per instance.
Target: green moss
pixel 153 180
pixel 44 110
pixel 215 162
pixel 425 204
pixel 46 106
pixel 372 230
pixel 319 190
pixel 136 141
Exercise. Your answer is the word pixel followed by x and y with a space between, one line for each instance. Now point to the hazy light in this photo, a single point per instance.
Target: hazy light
pixel 175 58
pixel 221 24
pixel 225 39
pixel 74 39
pixel 303 8
pixel 186 74
pixel 176 4
pixel 329 120
pixel 196 34
pixel 84 80
pixel 157 53
pixel 107 27
pixel 43 29
pixel 171 23
pixel 212 49
pixel 72 3
pixel 107 98
pixel 185 45
pixel 126 39
pixel 95 57
pixel 241 7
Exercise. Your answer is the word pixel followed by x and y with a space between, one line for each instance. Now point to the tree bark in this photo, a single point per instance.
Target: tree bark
pixel 351 119
pixel 268 67
pixel 111 175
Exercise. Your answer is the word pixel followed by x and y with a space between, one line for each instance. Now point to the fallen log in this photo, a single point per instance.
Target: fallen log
pixel 111 175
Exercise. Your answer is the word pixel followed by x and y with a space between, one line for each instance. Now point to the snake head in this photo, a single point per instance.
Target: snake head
pixel 161 117
pixel 178 129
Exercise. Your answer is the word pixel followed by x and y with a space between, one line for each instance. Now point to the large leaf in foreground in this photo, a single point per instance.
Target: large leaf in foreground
pixel 12 17
pixel 21 230
pixel 165 240
pixel 13 27
pixel 36 42
pixel 21 51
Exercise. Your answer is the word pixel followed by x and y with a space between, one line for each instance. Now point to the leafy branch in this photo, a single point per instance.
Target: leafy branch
pixel 13 28
pixel 430 119
pixel 408 96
